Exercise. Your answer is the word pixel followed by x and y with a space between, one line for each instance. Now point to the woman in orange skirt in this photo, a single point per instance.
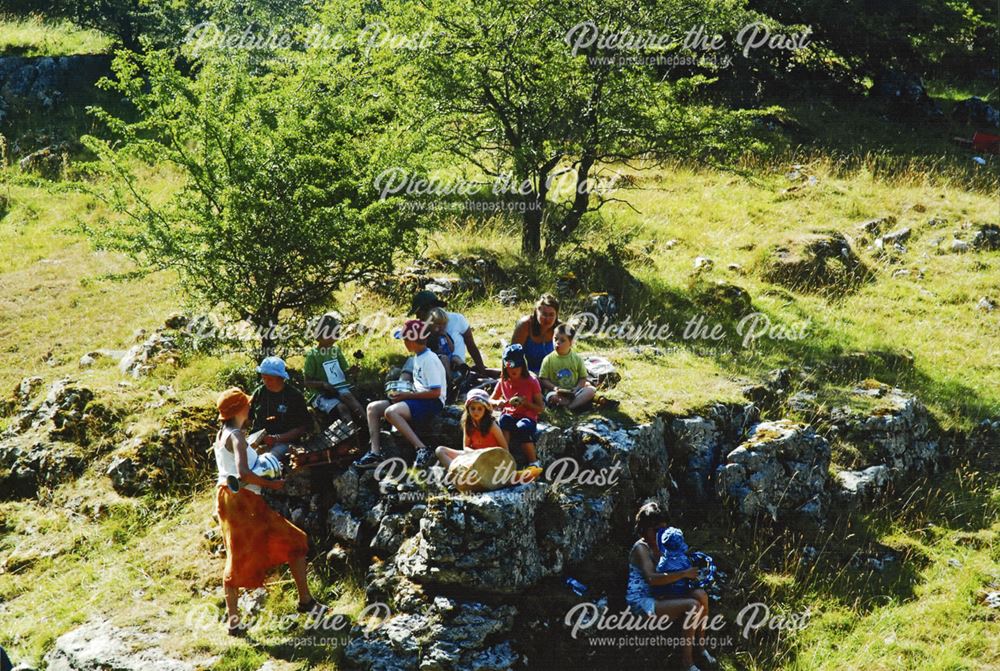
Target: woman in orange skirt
pixel 257 538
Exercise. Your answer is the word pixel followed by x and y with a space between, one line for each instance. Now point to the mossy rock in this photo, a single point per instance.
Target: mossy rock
pixel 821 261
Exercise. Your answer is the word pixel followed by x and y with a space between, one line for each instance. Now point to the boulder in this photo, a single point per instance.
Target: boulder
pixel 47 162
pixel 437 634
pixel 987 238
pixel 342 525
pixel 100 646
pixel 779 472
pixel 173 454
pixel 900 433
pixel 865 485
pixel 157 349
pixel 822 261
pixel 482 541
pixel 28 463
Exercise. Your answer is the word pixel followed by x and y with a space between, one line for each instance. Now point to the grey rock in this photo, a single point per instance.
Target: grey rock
pixel 342 525
pixel 779 472
pixel 856 486
pixel 987 238
pixel 100 646
pixel 438 634
pixel 873 227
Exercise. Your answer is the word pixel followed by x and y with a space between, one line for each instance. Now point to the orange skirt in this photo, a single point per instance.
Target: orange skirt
pixel 257 538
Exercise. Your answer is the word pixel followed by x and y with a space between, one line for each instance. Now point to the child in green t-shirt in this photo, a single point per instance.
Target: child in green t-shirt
pixel 326 372
pixel 563 375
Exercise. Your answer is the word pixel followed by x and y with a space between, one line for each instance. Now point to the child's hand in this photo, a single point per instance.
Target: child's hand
pixel 276 485
pixel 516 401
pixel 691 573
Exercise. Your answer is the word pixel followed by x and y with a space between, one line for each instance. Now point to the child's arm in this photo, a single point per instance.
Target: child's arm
pixel 243 466
pixel 497 434
pixel 656 579
pixel 537 402
pixel 547 384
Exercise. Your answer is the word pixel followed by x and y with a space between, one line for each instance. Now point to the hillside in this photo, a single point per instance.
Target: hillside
pixel 907 580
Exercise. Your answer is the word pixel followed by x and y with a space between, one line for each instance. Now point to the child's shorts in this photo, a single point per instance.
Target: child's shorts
pixel 521 429
pixel 423 409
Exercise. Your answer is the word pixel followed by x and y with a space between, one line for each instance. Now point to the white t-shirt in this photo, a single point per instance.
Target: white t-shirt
pixel 428 373
pixel 457 326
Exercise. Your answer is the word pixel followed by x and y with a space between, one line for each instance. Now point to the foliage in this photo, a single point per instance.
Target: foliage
pixel 523 90
pixel 915 35
pixel 274 208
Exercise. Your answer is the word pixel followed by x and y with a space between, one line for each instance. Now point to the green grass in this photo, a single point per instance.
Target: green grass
pixel 147 561
pixel 37 36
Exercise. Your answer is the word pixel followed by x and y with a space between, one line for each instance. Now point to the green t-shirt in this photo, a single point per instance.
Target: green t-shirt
pixel 564 371
pixel 326 364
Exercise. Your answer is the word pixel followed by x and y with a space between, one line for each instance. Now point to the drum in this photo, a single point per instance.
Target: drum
pixel 267 466
pixel 396 386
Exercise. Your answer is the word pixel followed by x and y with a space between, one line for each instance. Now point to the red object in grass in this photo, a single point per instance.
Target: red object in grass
pixel 986 142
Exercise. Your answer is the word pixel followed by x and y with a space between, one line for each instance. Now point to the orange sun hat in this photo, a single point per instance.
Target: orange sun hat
pixel 231 402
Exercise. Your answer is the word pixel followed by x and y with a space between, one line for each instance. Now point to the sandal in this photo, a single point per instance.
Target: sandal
pixel 309 606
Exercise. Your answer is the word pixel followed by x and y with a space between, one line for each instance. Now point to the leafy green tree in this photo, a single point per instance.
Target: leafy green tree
pixel 273 206
pixel 521 89
pixel 914 35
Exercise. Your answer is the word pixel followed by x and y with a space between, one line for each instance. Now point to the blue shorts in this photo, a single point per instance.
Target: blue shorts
pixel 521 429
pixel 423 409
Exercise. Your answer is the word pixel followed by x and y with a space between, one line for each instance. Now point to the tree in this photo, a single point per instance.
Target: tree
pixel 514 90
pixel 274 207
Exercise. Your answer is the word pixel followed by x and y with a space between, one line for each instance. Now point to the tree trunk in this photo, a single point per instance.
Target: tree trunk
pixel 581 202
pixel 531 227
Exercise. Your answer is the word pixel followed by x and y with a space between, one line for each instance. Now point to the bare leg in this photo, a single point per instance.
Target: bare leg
pixel 232 606
pixel 348 399
pixel 529 451
pixel 298 567
pixel 677 610
pixel 702 597
pixel 398 414
pixel 446 455
pixel 376 410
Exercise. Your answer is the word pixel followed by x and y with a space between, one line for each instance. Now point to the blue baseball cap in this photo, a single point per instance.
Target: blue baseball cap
pixel 273 365
pixel 513 356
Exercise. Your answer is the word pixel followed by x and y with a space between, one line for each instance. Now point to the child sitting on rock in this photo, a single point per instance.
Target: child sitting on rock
pixel 673 558
pixel 479 429
pixel 519 396
pixel 442 344
pixel 563 375
pixel 325 372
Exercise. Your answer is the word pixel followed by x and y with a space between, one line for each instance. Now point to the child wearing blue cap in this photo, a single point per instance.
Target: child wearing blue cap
pixel 673 557
pixel 518 394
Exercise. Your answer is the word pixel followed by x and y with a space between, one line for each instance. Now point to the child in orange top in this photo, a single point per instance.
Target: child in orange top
pixel 479 430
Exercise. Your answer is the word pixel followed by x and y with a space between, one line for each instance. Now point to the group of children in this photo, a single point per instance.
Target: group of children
pixel 519 395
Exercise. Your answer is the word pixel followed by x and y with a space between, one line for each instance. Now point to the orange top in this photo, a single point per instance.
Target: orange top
pixel 477 441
